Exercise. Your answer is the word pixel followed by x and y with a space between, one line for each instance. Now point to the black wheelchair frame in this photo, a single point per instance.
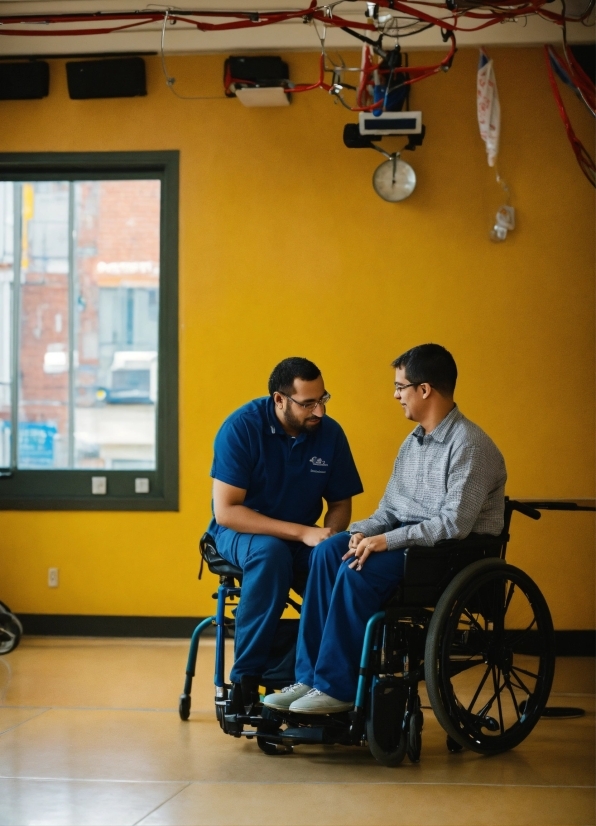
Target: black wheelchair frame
pixel 477 630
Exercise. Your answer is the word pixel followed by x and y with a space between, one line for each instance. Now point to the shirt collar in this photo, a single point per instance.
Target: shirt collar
pixel 273 424
pixel 442 429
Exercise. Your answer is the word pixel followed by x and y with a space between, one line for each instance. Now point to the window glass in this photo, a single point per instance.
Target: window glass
pixel 117 228
pixel 43 378
pixel 83 384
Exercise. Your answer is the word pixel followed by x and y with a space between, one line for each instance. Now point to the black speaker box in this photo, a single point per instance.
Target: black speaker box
pixel 265 71
pixel 24 81
pixel 118 78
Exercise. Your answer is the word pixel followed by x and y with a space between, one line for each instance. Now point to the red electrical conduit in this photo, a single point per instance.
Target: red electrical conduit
pixel 247 19
pixel 584 160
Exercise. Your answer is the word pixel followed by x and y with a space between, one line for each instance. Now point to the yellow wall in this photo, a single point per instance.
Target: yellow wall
pixel 286 250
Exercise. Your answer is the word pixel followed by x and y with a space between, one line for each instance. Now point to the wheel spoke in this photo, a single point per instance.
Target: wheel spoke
pixel 473 621
pixel 517 683
pixel 522 684
pixel 510 689
pixel 498 694
pixel 479 689
pixel 509 597
pixel 525 671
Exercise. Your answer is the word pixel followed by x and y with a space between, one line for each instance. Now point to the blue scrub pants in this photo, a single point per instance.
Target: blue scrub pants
pixel 338 603
pixel 269 566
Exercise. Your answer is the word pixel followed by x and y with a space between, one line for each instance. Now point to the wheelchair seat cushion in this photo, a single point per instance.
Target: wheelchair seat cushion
pixel 216 563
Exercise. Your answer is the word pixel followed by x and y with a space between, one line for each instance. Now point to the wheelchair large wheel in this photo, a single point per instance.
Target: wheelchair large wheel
pixel 387 739
pixel 489 657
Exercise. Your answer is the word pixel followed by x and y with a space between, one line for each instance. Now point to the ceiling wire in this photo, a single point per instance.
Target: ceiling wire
pixel 170 81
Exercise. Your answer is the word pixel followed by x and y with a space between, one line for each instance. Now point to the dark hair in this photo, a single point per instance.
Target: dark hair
pixel 282 378
pixel 429 363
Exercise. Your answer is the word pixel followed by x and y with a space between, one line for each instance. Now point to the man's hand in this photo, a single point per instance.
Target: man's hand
pixel 365 546
pixel 312 536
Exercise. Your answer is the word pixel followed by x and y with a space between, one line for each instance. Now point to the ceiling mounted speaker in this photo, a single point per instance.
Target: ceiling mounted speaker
pixel 24 81
pixel 118 78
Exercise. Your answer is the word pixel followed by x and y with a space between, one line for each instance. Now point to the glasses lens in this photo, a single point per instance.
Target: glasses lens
pixel 322 401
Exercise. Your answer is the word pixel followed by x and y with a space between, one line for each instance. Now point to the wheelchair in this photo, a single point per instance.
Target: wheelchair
pixel 475 629
pixel 11 629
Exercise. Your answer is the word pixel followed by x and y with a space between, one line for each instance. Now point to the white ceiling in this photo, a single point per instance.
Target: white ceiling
pixel 291 35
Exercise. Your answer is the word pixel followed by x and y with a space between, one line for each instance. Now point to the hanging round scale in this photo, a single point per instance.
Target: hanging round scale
pixel 394 180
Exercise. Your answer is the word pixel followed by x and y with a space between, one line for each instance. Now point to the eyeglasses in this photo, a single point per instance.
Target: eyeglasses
pixel 309 405
pixel 399 387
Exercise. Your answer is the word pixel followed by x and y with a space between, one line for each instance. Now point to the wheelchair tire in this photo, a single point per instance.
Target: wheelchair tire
pixel 489 657
pixel 184 707
pixel 11 630
pixel 387 739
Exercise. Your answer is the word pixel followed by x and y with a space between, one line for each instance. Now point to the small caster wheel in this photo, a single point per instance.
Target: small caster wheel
pixel 184 706
pixel 415 736
pixel 453 746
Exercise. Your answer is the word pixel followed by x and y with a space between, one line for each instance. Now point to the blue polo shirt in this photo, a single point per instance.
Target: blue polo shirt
pixel 285 478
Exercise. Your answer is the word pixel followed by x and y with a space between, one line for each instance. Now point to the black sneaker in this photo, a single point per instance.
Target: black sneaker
pixel 250 690
pixel 245 694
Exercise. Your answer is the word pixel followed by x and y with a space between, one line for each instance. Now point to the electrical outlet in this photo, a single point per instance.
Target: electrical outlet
pixel 52 577
pixel 141 485
pixel 99 485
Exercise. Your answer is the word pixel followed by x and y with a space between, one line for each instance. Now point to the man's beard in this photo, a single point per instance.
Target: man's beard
pixel 296 424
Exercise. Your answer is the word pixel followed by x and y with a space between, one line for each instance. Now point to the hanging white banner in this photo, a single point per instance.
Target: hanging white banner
pixel 489 109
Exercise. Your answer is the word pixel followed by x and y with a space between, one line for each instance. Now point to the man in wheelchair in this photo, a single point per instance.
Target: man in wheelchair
pixel 275 460
pixel 447 483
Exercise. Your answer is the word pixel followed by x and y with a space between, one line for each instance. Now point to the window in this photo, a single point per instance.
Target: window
pixel 88 331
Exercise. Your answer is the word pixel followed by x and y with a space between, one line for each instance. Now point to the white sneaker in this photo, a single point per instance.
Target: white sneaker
pixel 315 702
pixel 283 700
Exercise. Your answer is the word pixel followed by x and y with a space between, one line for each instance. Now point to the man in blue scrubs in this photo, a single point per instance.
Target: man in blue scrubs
pixel 275 460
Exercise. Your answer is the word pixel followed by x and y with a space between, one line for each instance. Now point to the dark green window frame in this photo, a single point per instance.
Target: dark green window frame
pixel 71 489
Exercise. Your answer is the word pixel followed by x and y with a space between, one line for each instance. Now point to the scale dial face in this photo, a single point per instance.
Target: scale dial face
pixel 394 181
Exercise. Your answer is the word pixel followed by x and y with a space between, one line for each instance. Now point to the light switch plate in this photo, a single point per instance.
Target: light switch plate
pixel 141 485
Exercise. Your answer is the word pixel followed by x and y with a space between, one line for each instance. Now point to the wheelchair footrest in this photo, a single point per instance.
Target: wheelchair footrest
pixel 302 734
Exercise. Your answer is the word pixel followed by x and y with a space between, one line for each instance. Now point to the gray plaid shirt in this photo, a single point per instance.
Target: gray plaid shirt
pixel 451 482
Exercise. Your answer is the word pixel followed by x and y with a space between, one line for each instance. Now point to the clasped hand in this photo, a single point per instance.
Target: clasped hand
pixel 361 547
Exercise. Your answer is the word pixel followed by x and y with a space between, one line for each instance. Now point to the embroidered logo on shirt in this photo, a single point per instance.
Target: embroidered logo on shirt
pixel 317 463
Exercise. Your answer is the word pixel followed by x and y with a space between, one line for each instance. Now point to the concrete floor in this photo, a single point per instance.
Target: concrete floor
pixel 90 734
